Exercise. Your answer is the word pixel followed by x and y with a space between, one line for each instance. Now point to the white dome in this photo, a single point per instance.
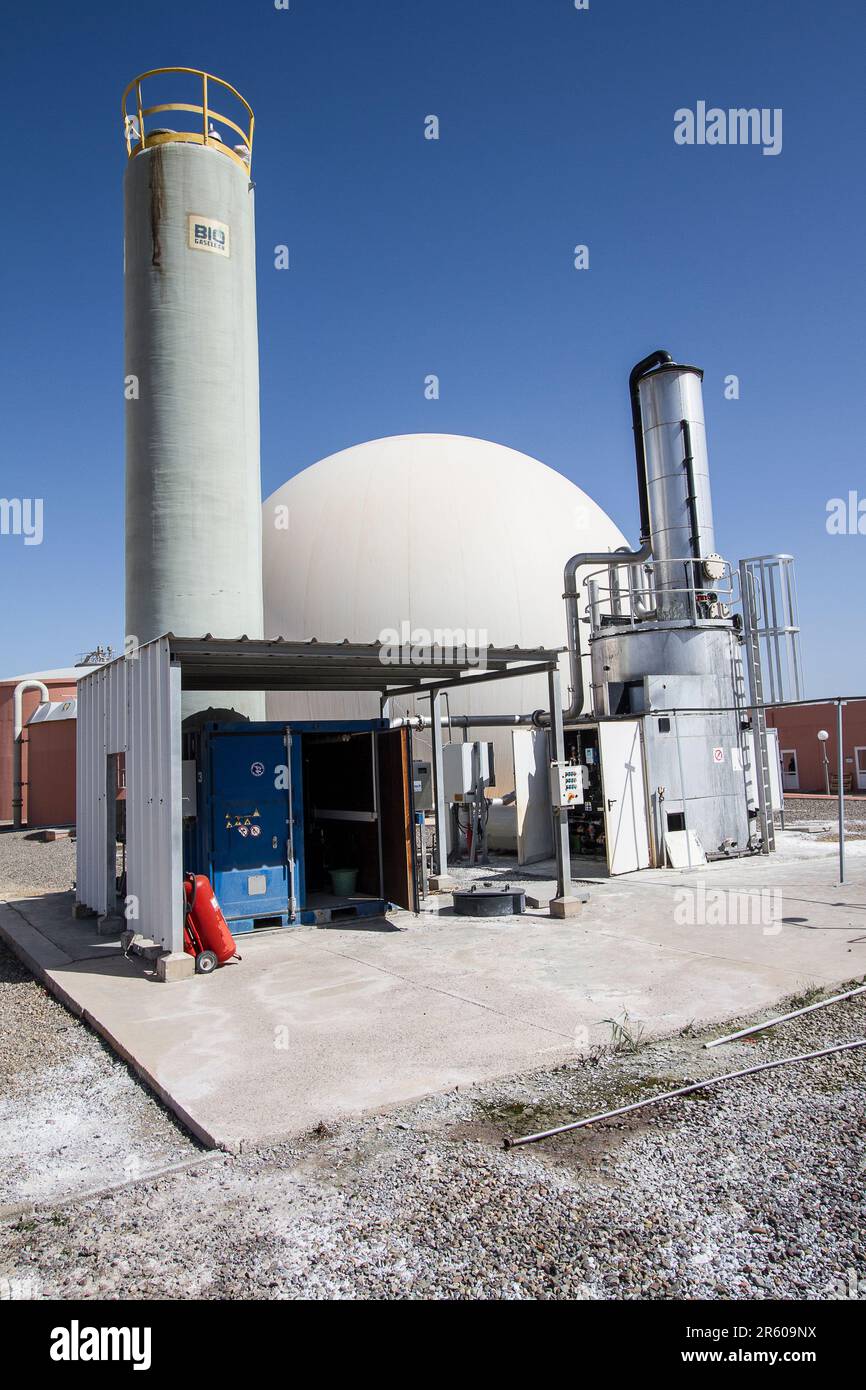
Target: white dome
pixel 437 530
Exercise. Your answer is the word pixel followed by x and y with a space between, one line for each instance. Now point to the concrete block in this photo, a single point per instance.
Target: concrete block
pixel 110 925
pixel 82 910
pixel 175 965
pixel 441 883
pixel 566 907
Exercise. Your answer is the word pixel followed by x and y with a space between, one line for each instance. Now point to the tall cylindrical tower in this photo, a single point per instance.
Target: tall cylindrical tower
pixel 678 482
pixel 193 489
pixel 663 643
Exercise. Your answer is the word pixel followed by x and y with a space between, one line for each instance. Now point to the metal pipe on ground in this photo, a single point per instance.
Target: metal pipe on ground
pixel 510 1143
pixel 784 1018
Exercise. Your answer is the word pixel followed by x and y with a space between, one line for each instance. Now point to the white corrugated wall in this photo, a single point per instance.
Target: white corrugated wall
pixel 132 706
pixel 90 848
pixel 101 730
pixel 154 848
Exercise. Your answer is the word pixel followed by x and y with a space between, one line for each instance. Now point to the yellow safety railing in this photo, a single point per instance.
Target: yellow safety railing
pixel 135 113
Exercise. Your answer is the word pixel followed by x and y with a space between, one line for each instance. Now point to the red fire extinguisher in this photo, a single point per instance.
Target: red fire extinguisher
pixel 206 933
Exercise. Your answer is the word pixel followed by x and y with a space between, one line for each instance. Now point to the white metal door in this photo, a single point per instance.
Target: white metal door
pixel 860 767
pixel 625 811
pixel 790 771
pixel 532 795
pixel 774 759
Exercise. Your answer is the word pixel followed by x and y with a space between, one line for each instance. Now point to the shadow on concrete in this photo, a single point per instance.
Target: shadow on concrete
pixel 359 924
pixel 51 915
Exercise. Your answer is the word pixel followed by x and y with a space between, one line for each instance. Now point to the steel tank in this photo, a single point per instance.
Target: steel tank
pixel 662 643
pixel 677 481
pixel 699 657
pixel 193 489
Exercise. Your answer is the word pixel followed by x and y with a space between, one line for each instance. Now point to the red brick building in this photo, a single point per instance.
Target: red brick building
pixel 54 749
pixel 802 752
pixel 50 739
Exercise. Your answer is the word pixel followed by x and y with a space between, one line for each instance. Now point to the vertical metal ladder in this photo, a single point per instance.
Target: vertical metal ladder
pixel 759 719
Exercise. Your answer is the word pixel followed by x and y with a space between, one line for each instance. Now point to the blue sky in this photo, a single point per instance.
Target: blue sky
pixel 411 256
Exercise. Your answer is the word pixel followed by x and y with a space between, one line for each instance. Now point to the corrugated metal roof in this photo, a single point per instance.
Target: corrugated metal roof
pixel 244 663
pixel 54 710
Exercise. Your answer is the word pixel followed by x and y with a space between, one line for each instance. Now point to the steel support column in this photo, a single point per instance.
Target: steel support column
pixel 440 808
pixel 556 734
pixel 841 775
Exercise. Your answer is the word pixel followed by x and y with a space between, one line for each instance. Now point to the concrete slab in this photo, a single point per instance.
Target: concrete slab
pixel 319 1023
pixel 78 937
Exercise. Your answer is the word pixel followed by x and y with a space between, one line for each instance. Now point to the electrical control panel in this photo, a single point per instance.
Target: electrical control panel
pixel 422 785
pixel 465 766
pixel 566 784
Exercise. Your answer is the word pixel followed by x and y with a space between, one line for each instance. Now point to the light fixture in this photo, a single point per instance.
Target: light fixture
pixel 822 739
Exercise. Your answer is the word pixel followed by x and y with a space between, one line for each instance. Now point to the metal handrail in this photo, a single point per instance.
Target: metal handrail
pixel 633 603
pixel 137 138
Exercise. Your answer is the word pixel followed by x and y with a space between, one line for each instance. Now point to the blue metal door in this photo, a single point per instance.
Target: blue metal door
pixel 250 829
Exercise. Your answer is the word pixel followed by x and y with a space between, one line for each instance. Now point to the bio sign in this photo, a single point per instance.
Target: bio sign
pixel 206 234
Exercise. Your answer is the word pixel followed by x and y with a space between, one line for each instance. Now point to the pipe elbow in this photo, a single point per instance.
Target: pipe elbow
pixel 18 701
pixel 646 364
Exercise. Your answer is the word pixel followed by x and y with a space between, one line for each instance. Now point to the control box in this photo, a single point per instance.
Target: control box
pixel 463 766
pixel 422 785
pixel 566 784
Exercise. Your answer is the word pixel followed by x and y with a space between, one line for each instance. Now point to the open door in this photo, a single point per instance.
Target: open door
pixel 625 814
pixel 532 795
pixel 397 818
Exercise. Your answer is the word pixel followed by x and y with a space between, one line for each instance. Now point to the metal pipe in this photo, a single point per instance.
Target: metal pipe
pixel 17 744
pixel 465 721
pixel 440 805
pixel 841 774
pixel 539 718
pixel 783 1018
pixel 572 617
pixel 510 1143
pixel 692 504
pixel 640 369
pixel 691 495
pixel 596 557
pixel 556 744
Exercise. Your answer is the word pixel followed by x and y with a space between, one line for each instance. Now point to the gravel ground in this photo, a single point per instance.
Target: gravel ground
pixel 809 812
pixel 34 866
pixel 72 1116
pixel 751 1191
